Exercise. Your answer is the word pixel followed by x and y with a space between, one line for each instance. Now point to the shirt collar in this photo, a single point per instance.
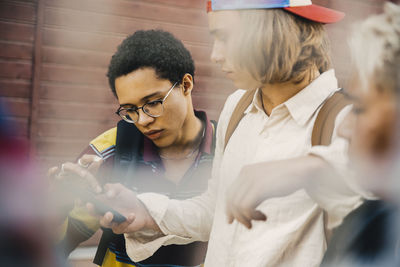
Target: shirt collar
pixel 256 104
pixel 150 151
pixel 305 103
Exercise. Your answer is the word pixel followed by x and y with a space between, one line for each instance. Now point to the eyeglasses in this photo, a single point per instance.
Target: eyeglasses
pixel 153 109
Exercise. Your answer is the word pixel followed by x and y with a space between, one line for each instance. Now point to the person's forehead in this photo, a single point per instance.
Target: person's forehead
pixel 222 19
pixel 140 84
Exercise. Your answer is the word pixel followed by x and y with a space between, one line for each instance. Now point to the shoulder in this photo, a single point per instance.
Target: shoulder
pixel 104 144
pixel 230 104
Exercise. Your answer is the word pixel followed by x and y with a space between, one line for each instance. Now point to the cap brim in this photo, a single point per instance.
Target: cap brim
pixel 317 13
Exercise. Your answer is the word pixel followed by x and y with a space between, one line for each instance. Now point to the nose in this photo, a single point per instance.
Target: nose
pixel 346 128
pixel 143 118
pixel 217 54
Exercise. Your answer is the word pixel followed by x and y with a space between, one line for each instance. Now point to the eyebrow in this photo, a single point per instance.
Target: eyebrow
pixel 144 99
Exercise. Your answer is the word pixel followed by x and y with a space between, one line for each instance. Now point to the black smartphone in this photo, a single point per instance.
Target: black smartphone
pixel 85 194
pixel 101 208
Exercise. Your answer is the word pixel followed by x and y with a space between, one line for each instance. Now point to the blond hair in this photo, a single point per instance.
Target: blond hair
pixel 276 46
pixel 375 47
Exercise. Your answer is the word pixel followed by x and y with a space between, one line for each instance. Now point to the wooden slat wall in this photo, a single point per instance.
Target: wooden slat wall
pixel 78 38
pixel 17 25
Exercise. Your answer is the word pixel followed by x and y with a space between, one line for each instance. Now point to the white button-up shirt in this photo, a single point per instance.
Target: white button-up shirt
pixel 295 233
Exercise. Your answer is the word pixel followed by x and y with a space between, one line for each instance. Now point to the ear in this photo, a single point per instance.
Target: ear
pixel 187 82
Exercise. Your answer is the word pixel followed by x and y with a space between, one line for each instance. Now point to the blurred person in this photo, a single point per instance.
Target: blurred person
pixel 279 52
pixel 370 234
pixel 25 216
pixel 162 144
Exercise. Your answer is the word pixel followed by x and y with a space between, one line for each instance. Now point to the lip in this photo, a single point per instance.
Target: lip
pixel 228 73
pixel 153 134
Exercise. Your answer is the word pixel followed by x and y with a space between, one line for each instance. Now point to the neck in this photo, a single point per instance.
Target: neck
pixel 188 140
pixel 275 94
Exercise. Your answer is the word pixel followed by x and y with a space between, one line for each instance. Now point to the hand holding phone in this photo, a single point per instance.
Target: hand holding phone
pixel 77 190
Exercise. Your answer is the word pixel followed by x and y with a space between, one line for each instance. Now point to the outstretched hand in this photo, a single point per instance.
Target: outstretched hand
pixel 260 181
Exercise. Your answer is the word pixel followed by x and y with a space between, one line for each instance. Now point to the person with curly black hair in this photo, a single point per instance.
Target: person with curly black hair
pixel 161 144
pixel 156 49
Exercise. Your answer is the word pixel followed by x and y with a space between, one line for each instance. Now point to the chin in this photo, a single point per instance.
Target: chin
pixel 244 86
pixel 162 142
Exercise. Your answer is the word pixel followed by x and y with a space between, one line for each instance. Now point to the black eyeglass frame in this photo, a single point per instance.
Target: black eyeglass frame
pixel 136 109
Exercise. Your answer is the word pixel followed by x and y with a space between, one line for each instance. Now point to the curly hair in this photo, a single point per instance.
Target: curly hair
pixel 277 46
pixel 155 49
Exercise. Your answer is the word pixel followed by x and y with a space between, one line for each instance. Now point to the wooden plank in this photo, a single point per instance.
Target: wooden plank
pixel 200 53
pixel 17 11
pixel 16 32
pixel 81 40
pixel 209 69
pixel 10 50
pixel 91 22
pixel 15 88
pixel 198 4
pixel 17 107
pixel 85 58
pixel 138 9
pixel 58 147
pixel 211 102
pixel 77 93
pixel 211 85
pixel 74 129
pixel 20 126
pixel 73 57
pixel 105 43
pixel 31 2
pixel 74 75
pixel 15 70
pixel 77 111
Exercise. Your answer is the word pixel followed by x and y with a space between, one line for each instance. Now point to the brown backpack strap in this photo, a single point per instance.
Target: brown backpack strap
pixel 323 126
pixel 325 121
pixel 238 114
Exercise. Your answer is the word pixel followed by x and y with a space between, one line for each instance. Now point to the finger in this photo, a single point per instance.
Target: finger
pixel 229 214
pixel 106 220
pixel 246 206
pixel 95 165
pixel 121 228
pixel 88 159
pixel 242 219
pixel 84 174
pixel 230 217
pixel 91 162
pixel 113 190
pixel 52 171
pixel 258 216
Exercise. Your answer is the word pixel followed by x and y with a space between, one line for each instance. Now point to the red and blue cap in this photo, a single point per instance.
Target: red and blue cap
pixel 302 8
